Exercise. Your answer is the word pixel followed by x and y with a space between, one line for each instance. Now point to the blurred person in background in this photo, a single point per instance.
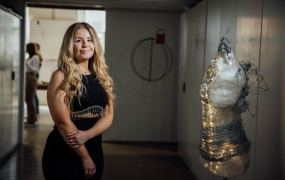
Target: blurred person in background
pixel 36 99
pixel 32 68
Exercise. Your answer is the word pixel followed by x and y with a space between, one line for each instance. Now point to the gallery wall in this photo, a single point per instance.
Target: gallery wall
pixel 144 110
pixel 255 28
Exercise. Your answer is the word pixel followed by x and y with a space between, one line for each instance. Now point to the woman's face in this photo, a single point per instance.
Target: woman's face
pixel 83 47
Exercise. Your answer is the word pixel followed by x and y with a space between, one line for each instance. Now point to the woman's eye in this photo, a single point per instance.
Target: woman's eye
pixel 78 41
pixel 89 40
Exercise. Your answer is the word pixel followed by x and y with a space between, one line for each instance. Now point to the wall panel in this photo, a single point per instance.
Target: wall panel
pixel 248 38
pixel 189 102
pixel 145 111
pixel 9 89
pixel 181 78
pixel 269 149
pixel 16 122
pixel 2 67
pixel 213 30
pixel 7 82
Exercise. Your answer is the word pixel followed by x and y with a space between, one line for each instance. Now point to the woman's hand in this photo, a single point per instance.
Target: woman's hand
pixel 89 167
pixel 77 138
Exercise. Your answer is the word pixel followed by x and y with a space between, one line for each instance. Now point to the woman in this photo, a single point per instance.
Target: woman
pixel 80 100
pixel 36 99
pixel 32 68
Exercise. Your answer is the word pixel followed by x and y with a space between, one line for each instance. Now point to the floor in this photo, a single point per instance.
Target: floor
pixel 123 160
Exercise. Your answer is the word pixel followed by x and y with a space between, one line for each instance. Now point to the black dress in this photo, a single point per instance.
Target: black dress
pixel 60 161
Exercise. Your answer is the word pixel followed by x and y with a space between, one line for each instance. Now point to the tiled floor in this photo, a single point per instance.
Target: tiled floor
pixel 123 161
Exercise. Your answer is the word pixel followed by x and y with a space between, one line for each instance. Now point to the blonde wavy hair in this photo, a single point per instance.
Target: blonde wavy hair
pixel 72 84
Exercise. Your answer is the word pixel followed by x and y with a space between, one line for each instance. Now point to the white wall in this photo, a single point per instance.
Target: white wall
pixel 255 30
pixel 191 66
pixel 144 111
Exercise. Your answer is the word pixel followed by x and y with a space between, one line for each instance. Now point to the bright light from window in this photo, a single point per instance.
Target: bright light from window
pixel 97 19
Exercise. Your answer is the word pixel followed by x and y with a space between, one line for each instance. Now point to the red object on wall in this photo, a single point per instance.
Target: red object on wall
pixel 160 36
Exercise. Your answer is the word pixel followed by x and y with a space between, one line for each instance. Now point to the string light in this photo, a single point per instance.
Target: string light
pixel 220 140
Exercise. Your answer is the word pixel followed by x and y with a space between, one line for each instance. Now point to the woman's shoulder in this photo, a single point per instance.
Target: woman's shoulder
pixel 35 56
pixel 57 76
pixel 58 73
pixel 55 81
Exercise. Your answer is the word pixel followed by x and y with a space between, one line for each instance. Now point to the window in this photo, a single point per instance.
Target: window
pixel 97 19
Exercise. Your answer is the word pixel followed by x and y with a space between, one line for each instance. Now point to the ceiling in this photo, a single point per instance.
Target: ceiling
pixel 163 5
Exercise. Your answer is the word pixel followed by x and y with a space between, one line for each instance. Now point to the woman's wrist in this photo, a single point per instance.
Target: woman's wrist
pixel 89 134
pixel 85 157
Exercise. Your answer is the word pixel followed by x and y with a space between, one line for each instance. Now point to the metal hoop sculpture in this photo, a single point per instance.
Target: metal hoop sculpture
pixel 168 59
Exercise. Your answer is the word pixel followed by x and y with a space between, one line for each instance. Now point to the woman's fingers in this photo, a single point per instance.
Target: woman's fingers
pixel 75 146
pixel 71 141
pixel 72 133
pixel 77 139
pixel 70 136
pixel 86 173
pixel 89 173
pixel 93 172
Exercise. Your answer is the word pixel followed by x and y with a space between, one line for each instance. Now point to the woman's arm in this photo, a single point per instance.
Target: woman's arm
pixel 103 123
pixel 61 116
pixel 34 64
pixel 78 138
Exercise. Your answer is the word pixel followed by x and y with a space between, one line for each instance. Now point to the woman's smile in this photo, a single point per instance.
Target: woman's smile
pixel 84 51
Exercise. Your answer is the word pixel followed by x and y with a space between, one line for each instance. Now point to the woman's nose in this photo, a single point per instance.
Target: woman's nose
pixel 84 43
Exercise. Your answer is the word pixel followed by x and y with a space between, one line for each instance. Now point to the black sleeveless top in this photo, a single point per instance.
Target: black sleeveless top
pixel 94 96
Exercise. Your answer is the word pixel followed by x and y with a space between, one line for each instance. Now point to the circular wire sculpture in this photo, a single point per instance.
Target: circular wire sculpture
pixel 151 61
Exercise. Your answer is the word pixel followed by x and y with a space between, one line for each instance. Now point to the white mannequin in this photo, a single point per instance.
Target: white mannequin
pixel 222 86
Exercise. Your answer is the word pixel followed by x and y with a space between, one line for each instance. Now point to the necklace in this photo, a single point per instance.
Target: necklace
pixel 85 72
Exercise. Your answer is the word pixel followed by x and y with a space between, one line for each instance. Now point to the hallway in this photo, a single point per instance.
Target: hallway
pixel 123 160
